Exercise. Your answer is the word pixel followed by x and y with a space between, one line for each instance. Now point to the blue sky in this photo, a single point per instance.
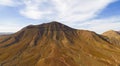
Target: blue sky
pixel 94 15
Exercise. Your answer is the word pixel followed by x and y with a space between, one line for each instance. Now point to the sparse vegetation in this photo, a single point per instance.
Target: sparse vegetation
pixel 55 44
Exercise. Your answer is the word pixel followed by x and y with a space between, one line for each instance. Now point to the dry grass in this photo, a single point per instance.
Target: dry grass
pixel 55 44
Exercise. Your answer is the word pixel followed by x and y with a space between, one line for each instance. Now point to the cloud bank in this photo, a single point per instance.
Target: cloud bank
pixel 77 13
pixel 11 3
pixel 63 10
pixel 100 25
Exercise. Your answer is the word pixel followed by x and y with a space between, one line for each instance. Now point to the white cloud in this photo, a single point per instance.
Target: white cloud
pixel 8 26
pixel 101 25
pixel 9 2
pixel 63 10
pixel 60 10
pixel 76 13
pixel 6 2
pixel 34 9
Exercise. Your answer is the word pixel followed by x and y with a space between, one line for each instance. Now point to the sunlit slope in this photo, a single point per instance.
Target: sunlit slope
pixel 55 44
pixel 113 37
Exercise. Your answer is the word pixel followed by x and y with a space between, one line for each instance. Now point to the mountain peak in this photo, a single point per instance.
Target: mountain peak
pixel 110 32
pixel 53 26
pixel 53 30
pixel 54 22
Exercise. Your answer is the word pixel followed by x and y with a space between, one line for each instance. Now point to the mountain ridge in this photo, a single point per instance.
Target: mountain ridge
pixel 55 44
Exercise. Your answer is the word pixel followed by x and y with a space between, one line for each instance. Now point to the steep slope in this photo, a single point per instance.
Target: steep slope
pixel 55 44
pixel 113 37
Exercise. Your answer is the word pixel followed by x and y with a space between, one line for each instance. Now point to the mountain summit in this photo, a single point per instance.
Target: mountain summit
pixel 55 44
pixel 52 26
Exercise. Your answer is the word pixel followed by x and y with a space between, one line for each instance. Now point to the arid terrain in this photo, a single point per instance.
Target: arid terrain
pixel 55 44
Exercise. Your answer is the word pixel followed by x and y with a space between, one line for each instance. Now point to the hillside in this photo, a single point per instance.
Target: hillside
pixel 55 44
pixel 113 37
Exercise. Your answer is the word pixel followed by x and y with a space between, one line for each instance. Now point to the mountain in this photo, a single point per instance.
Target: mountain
pixel 55 44
pixel 113 37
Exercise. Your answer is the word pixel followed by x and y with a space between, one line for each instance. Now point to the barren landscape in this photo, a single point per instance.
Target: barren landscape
pixel 55 44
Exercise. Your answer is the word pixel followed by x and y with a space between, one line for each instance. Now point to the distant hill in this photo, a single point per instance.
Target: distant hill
pixel 5 33
pixel 56 44
pixel 113 37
